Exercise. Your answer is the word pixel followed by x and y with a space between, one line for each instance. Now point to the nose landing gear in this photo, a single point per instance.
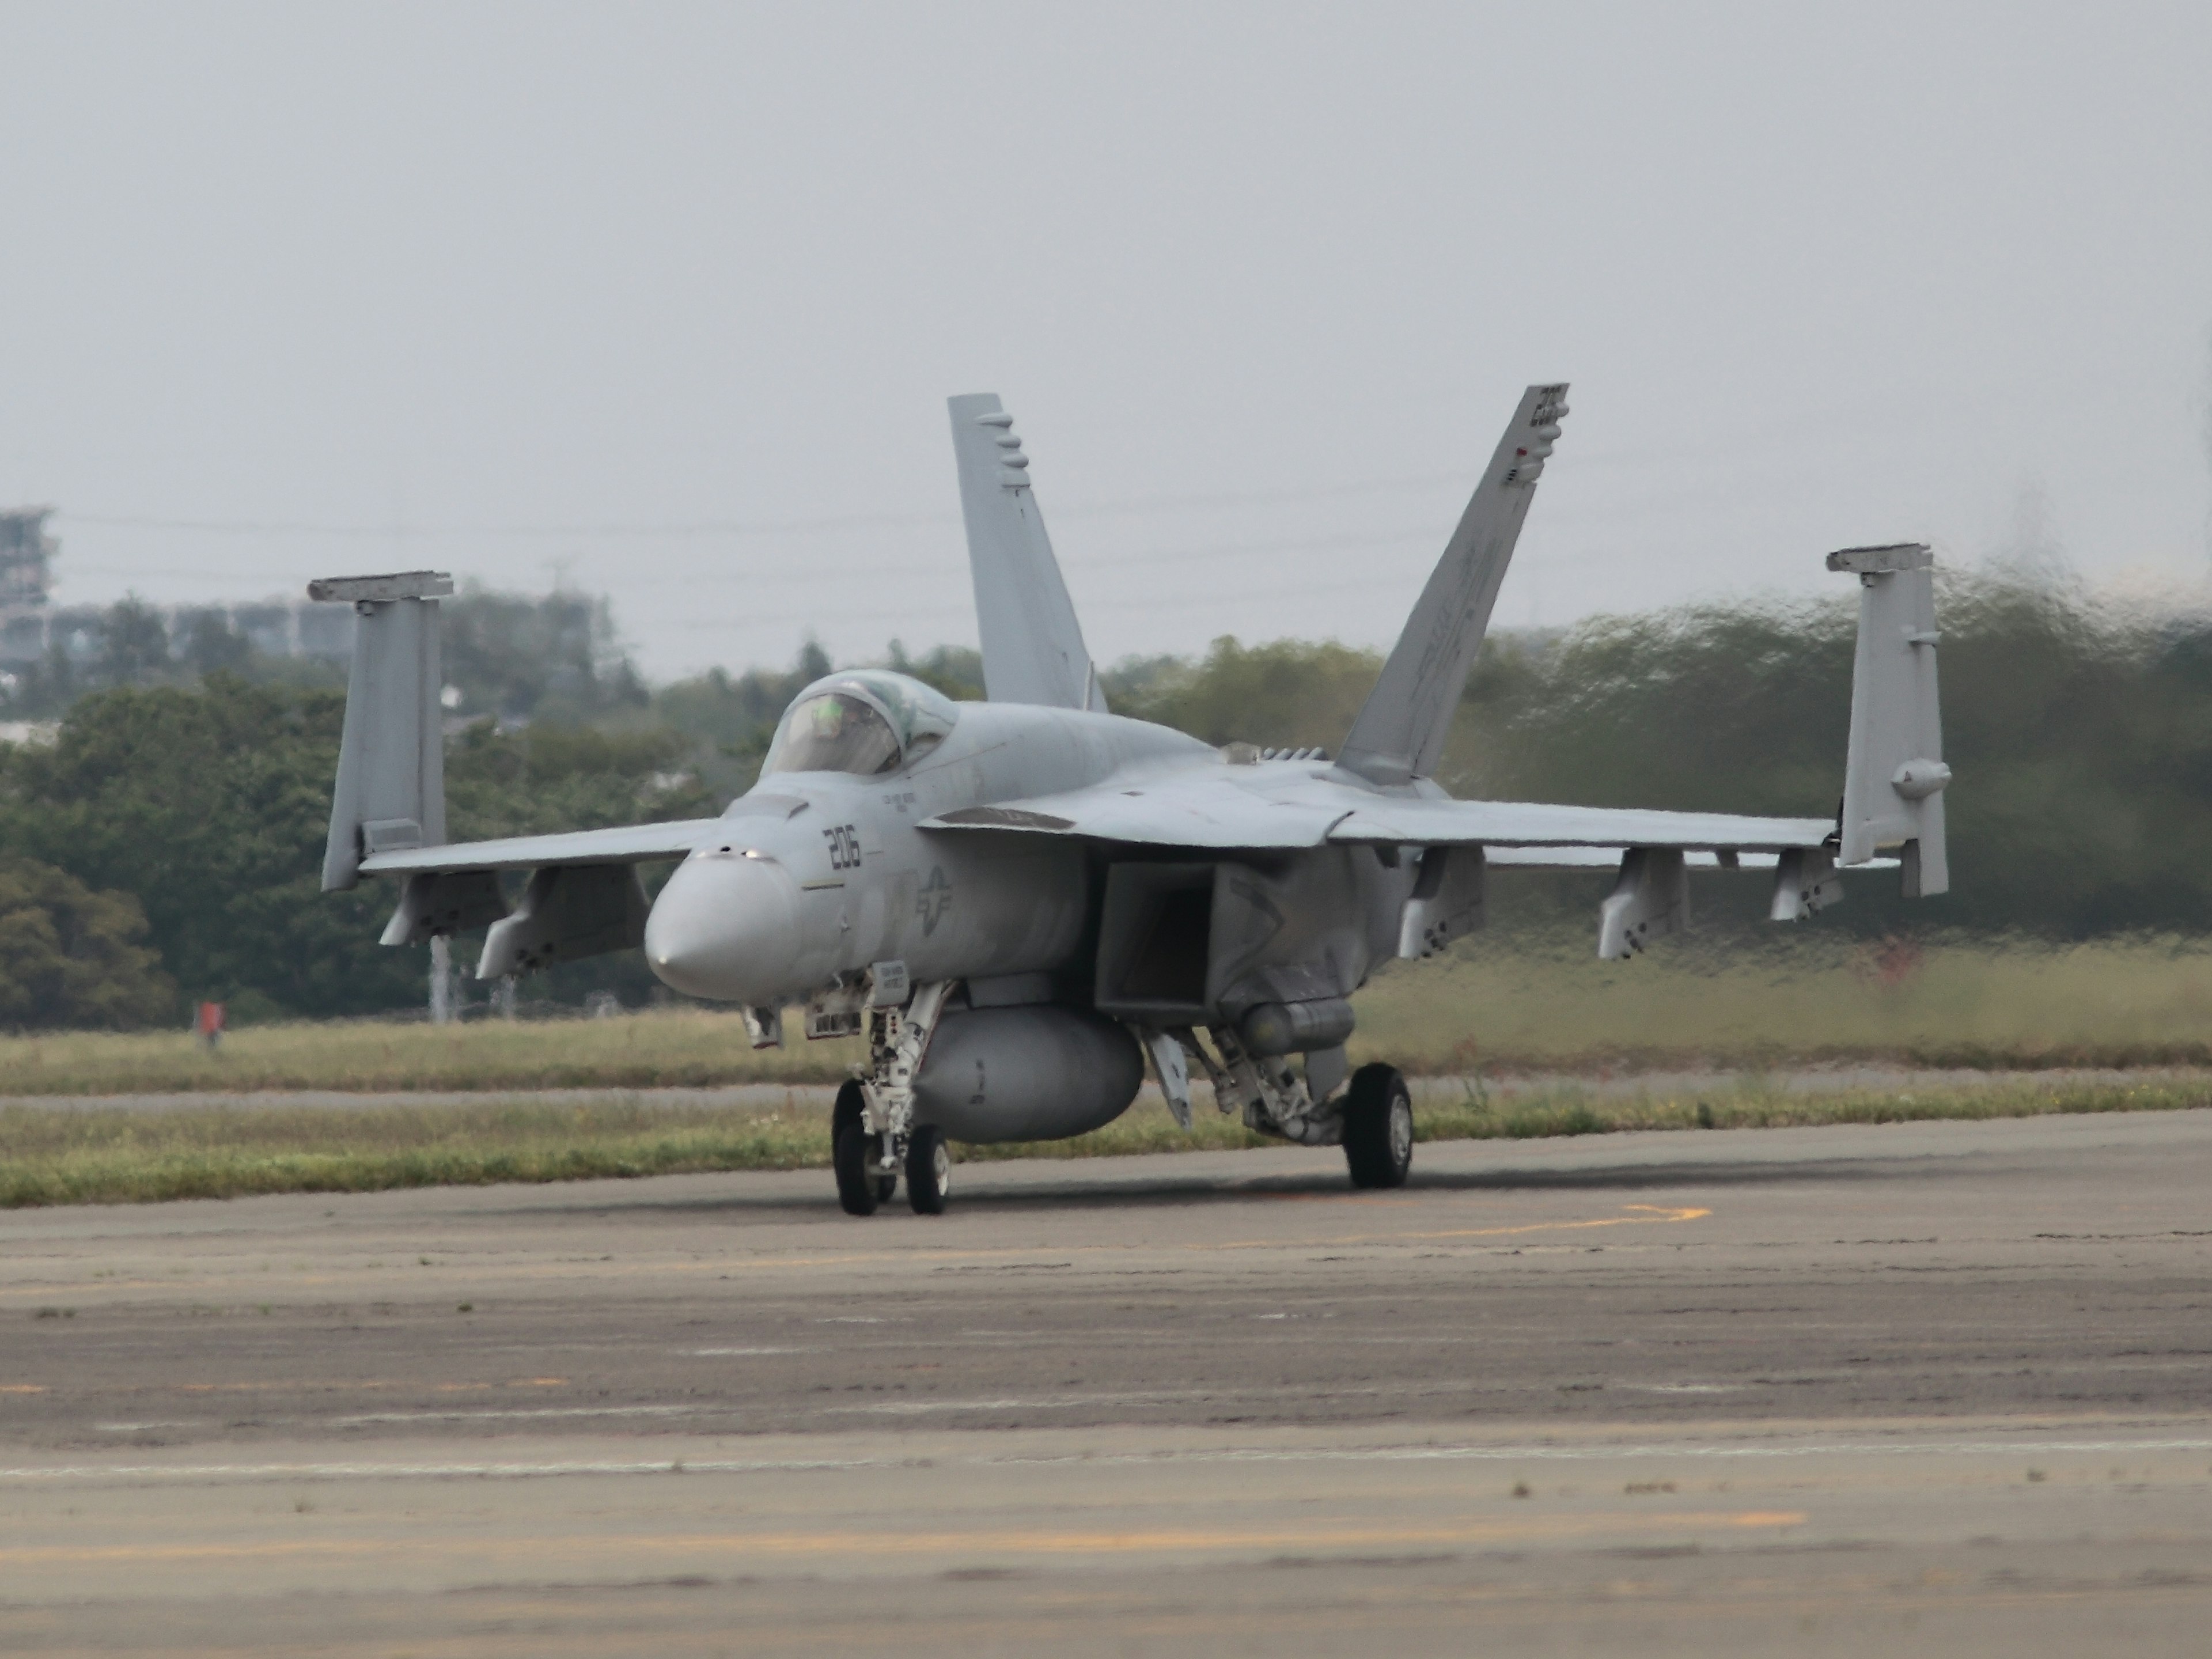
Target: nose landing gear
pixel 873 1136
pixel 928 1170
pixel 861 1184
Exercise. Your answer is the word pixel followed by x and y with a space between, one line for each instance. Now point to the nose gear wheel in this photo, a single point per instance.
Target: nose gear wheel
pixel 928 1170
pixel 856 1183
pixel 874 1138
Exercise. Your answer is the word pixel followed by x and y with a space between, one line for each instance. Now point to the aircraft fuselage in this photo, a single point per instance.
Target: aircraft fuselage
pixel 825 874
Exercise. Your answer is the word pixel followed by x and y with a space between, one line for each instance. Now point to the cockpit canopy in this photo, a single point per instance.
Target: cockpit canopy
pixel 865 722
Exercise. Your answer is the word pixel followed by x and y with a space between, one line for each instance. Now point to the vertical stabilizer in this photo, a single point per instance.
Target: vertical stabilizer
pixel 1033 649
pixel 1894 779
pixel 1400 733
pixel 391 791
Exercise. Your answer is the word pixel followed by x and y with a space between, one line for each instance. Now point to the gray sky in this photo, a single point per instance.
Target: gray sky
pixel 668 299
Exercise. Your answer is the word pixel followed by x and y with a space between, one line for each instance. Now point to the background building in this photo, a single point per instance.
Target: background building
pixel 32 627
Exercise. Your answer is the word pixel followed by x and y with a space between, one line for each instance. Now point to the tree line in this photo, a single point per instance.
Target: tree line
pixel 166 845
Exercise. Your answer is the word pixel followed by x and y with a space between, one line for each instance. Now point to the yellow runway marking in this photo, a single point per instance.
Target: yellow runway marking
pixel 363 1384
pixel 1179 1539
pixel 1653 1212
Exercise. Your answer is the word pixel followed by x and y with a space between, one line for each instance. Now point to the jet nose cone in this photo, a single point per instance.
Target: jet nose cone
pixel 725 927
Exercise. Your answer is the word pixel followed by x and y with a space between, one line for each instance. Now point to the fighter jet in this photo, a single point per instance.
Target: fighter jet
pixel 1023 903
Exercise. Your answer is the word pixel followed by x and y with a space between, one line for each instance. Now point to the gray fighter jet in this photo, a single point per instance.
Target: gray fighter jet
pixel 1019 902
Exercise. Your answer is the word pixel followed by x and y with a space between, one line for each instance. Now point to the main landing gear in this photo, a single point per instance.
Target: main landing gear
pixel 1372 1120
pixel 1378 1127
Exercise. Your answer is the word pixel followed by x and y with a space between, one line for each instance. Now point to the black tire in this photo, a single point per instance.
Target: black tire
pixel 851 1108
pixel 1378 1128
pixel 856 1183
pixel 858 1190
pixel 928 1170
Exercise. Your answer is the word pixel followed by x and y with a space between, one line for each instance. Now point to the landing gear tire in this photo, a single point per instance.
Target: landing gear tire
pixel 856 1183
pixel 858 1190
pixel 1378 1128
pixel 928 1170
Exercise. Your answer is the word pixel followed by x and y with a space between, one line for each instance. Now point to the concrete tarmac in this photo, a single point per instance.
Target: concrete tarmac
pixel 1938 1387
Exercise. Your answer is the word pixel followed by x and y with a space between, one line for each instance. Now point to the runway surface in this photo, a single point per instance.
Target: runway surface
pixel 1939 1387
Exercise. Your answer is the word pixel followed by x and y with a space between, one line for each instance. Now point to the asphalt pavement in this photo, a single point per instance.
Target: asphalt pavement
pixel 1937 1387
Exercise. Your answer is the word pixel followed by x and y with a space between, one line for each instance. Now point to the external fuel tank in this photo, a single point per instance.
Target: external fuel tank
pixel 1040 1073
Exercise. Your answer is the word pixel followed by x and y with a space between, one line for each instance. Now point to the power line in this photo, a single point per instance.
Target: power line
pixel 1435 533
pixel 711 529
pixel 732 529
pixel 443 532
pixel 949 603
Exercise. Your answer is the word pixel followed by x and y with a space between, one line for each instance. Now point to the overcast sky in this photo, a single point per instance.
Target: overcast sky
pixel 664 301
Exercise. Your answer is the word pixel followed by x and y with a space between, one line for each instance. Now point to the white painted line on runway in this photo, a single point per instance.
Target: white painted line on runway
pixel 912 1407
pixel 1678 1387
pixel 1600 1454
pixel 129 1471
pixel 538 1412
pixel 915 1408
pixel 742 1353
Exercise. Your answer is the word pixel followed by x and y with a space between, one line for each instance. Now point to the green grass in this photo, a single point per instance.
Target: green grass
pixel 111 1155
pixel 1525 1003
pixel 1793 998
pixel 95 1154
pixel 664 1048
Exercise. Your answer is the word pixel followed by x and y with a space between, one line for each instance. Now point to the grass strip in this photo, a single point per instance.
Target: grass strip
pixel 684 1048
pixel 699 1050
pixel 1514 1003
pixel 99 1155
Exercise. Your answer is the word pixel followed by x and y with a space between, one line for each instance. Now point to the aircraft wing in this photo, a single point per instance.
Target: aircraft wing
pixel 1608 858
pixel 1213 810
pixel 1424 822
pixel 630 844
pixel 1206 809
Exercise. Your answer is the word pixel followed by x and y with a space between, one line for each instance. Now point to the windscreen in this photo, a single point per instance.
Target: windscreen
pixel 832 733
